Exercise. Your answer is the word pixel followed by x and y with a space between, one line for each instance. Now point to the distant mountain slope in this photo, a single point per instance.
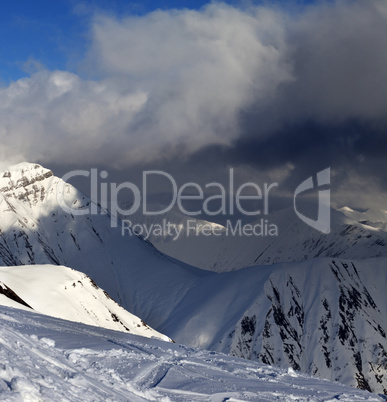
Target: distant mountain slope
pixel 47 359
pixel 65 293
pixel 327 318
pixel 372 217
pixel 296 241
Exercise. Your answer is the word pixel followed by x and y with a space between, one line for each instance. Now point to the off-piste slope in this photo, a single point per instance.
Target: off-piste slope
pixel 48 359
pixel 65 293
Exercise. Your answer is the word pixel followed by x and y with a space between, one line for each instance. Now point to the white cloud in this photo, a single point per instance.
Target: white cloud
pixel 57 117
pixel 200 70
pixel 175 81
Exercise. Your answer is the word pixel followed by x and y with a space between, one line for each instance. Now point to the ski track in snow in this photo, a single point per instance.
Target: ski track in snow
pixel 45 359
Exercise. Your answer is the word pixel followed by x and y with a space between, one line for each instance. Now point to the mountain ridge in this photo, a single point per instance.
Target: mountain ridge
pixel 64 293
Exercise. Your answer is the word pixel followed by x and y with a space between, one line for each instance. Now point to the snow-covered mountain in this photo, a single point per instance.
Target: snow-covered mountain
pixel 34 229
pixel 329 322
pixel 65 293
pixel 324 316
pixel 48 359
pixel 353 235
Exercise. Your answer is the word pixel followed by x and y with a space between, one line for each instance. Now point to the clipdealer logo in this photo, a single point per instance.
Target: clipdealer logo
pixel 323 222
pixel 230 199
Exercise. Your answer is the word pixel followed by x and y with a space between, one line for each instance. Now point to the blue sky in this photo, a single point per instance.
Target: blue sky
pixel 38 30
pixel 54 34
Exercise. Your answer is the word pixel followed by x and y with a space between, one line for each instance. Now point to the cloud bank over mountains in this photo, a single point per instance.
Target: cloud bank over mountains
pixel 272 88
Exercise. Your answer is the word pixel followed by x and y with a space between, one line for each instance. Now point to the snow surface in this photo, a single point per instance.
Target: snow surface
pixel 47 359
pixel 65 293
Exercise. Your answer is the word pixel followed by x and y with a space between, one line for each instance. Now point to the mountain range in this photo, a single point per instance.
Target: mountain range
pixel 323 316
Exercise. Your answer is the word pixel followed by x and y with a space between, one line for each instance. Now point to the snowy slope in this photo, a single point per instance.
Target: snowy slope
pixel 324 317
pixel 65 293
pixel 295 241
pixel 329 322
pixel 46 359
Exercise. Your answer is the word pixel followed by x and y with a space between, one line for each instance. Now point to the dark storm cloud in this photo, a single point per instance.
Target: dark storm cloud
pixel 334 112
pixel 310 147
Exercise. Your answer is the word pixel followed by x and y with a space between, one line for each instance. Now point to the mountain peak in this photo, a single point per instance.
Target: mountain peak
pixel 22 179
pixel 24 169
